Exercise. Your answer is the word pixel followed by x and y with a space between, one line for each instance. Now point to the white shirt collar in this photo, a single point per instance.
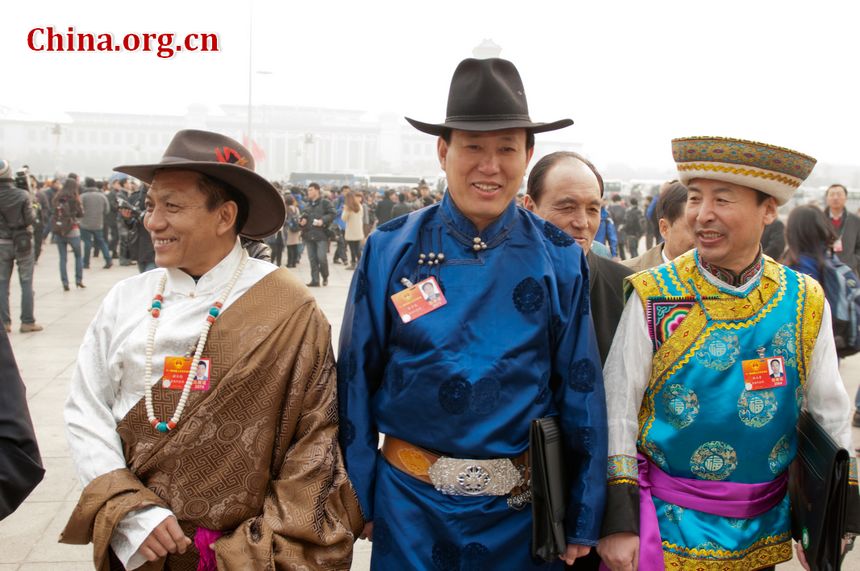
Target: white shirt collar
pixel 181 283
pixel 666 259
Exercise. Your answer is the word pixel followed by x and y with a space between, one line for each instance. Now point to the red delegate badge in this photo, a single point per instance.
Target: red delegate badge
pixel 176 372
pixel 419 299
pixel 764 373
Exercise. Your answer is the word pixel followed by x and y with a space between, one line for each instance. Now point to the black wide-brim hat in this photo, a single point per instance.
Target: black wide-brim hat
pixel 223 159
pixel 487 95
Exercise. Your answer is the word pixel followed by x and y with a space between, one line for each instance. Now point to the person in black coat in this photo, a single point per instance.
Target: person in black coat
pixel 383 208
pixel 845 225
pixel 20 463
pixel 773 239
pixel 565 189
pixel 314 221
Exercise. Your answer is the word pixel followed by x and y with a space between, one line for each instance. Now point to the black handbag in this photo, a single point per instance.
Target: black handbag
pixel 818 488
pixel 549 488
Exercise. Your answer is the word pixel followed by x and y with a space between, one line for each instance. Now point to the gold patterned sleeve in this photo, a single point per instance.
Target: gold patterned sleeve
pixel 311 515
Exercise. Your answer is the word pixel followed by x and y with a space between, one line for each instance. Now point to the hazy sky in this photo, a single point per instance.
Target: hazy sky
pixel 632 75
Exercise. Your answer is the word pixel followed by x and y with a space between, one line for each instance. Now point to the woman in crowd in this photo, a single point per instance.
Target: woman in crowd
pixel 353 216
pixel 67 210
pixel 292 231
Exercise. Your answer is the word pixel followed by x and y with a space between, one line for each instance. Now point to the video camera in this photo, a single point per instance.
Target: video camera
pixel 22 179
pixel 123 204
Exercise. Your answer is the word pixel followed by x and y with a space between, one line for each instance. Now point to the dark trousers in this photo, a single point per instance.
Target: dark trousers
pixel 340 251
pixel 292 255
pixel 277 253
pixel 112 237
pixel 354 251
pixel 38 240
pixel 25 277
pixel 622 240
pixel 317 254
pixel 633 245
pixel 94 239
pixel 63 244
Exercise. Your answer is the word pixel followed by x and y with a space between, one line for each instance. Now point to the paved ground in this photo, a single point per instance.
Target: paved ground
pixel 28 538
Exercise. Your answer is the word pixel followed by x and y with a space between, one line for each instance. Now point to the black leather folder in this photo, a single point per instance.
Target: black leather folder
pixel 818 488
pixel 549 488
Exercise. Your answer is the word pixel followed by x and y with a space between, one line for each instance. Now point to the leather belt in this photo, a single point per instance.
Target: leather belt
pixel 457 476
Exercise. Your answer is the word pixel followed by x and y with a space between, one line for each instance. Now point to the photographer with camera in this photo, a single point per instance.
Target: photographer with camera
pixel 16 246
pixel 138 242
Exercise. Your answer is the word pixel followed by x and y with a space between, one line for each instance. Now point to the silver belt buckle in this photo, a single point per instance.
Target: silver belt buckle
pixel 465 477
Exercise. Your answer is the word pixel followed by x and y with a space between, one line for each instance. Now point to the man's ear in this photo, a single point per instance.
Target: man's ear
pixel 227 214
pixel 442 151
pixel 663 225
pixel 771 210
pixel 529 204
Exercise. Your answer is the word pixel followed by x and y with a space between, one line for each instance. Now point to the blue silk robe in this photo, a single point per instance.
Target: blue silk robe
pixel 514 342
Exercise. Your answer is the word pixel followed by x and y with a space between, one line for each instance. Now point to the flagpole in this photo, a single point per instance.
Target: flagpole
pixel 250 61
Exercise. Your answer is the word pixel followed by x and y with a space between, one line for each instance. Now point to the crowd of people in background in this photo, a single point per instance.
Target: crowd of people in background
pixel 95 218
pixel 104 218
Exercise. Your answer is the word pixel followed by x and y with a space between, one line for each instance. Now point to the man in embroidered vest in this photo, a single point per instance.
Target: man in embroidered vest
pixel 454 385
pixel 700 434
pixel 244 461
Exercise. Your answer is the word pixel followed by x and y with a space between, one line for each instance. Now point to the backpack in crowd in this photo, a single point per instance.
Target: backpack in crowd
pixel 633 221
pixel 64 219
pixel 842 290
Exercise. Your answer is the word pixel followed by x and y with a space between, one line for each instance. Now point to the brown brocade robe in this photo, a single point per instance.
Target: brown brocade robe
pixel 255 456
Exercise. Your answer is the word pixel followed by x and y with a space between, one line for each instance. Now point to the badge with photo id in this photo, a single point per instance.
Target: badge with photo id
pixel 764 373
pixel 419 299
pixel 176 372
pixel 837 245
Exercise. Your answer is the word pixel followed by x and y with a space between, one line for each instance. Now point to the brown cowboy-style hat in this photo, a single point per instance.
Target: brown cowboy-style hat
pixel 223 159
pixel 487 95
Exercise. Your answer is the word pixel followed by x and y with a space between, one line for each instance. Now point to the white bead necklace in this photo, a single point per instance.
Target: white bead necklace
pixel 155 312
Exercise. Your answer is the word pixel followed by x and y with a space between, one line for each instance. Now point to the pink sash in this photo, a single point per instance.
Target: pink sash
pixel 726 499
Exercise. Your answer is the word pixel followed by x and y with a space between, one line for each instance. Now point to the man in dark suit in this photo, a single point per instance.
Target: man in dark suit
pixel 776 369
pixel 846 226
pixel 673 228
pixel 566 189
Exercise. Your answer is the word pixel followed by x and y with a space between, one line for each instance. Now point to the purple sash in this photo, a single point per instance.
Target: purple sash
pixel 726 499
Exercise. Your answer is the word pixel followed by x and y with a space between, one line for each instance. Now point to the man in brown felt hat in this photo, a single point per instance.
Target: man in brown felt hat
pixel 238 469
pixel 455 384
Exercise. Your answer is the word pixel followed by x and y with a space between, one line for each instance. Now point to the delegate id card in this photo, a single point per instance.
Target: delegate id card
pixel 765 373
pixel 176 372
pixel 837 245
pixel 419 299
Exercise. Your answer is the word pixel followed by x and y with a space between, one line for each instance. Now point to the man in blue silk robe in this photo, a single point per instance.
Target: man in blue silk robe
pixel 454 389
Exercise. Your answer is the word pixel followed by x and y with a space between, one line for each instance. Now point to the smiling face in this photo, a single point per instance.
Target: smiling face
pixel 484 171
pixel 570 199
pixel 727 222
pixel 185 233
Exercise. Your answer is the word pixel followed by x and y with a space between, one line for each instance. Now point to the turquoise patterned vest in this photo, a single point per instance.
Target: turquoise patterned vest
pixel 697 418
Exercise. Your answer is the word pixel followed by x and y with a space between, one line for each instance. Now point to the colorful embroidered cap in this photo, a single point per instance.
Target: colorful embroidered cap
pixel 223 159
pixel 772 170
